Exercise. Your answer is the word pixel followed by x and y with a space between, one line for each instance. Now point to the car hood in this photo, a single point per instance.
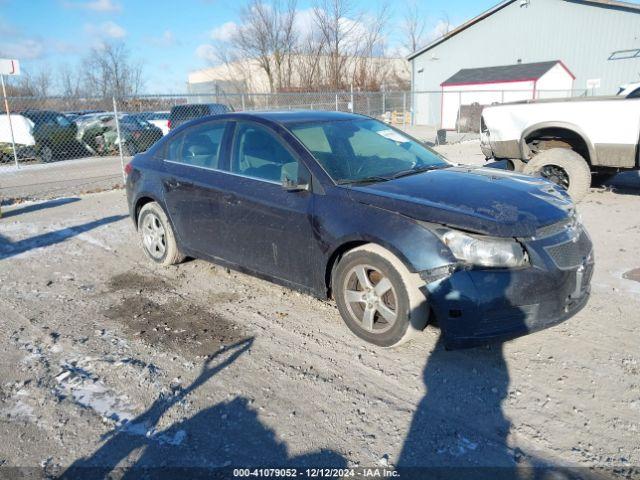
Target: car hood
pixel 483 200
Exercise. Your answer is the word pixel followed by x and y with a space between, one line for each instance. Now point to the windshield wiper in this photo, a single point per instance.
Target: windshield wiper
pixel 412 171
pixel 355 181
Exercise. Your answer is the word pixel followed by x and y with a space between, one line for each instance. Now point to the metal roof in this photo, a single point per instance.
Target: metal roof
pixel 507 73
pixel 501 5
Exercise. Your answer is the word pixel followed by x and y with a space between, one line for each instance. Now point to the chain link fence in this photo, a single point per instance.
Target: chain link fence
pixel 61 128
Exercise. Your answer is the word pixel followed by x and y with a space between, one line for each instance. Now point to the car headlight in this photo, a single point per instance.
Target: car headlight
pixel 484 251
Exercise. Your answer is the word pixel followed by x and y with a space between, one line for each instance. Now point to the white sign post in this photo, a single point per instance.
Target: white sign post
pixel 9 67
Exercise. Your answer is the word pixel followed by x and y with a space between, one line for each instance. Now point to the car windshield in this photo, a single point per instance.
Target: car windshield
pixel 365 150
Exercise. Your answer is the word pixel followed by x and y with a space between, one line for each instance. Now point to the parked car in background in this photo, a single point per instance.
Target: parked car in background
pixel 183 113
pixel 99 133
pixel 42 135
pixel 159 119
pixel 54 135
pixel 74 114
pixel 566 140
pixel 345 206
pixel 22 132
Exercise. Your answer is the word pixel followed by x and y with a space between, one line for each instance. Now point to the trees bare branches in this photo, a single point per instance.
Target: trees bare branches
pixel 108 70
pixel 332 45
pixel 413 27
pixel 267 34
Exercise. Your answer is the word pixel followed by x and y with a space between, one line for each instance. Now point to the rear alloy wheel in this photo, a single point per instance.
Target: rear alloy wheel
pixel 158 239
pixel 563 167
pixel 377 296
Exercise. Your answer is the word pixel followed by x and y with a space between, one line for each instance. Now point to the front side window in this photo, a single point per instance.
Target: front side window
pixel 198 146
pixel 364 150
pixel 257 153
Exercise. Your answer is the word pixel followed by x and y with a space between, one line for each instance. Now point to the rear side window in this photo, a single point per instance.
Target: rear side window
pixel 199 146
pixel 257 153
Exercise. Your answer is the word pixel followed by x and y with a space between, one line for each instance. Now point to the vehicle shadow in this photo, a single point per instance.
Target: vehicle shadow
pixel 624 183
pixel 207 445
pixel 459 428
pixel 10 249
pixel 34 207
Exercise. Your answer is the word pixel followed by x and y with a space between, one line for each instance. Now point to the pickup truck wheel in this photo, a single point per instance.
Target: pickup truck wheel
pixel 563 167
pixel 515 165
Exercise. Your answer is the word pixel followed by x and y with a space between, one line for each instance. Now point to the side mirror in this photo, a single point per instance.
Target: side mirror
pixel 293 186
pixel 294 178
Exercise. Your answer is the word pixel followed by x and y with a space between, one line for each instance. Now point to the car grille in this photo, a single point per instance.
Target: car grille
pixel 573 253
pixel 554 228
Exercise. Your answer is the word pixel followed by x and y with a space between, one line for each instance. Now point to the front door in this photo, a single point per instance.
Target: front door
pixel 269 228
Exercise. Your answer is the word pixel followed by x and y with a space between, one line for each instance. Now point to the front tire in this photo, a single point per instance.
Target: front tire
pixel 157 237
pixel 563 167
pixel 377 297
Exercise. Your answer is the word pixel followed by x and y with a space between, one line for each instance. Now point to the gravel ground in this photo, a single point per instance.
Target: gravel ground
pixel 109 360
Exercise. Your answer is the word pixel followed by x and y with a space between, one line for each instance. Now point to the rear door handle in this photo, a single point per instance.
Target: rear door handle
pixel 173 183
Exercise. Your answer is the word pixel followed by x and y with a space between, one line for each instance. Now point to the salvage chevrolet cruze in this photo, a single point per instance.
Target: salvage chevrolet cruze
pixel 347 207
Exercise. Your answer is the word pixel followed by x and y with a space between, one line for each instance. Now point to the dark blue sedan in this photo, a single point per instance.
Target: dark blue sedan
pixel 345 206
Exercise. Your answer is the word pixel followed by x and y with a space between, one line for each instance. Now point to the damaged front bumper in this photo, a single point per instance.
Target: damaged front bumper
pixel 474 306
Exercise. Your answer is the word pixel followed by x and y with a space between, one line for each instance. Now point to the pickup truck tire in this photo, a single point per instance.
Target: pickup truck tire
pixel 563 167
pixel 516 165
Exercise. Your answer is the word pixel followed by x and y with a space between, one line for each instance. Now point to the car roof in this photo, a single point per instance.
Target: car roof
pixel 302 116
pixel 286 117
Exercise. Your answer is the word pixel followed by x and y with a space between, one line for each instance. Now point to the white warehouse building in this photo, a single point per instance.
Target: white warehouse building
pixel 596 41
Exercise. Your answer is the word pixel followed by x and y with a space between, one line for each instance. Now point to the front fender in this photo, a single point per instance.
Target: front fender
pixel 416 246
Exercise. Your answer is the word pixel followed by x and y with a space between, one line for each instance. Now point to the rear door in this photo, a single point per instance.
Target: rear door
pixel 195 187
pixel 268 228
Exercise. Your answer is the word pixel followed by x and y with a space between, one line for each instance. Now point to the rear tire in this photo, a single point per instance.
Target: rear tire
pixel 563 167
pixel 157 237
pixel 377 297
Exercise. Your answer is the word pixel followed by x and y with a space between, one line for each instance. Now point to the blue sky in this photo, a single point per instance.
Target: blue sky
pixel 170 37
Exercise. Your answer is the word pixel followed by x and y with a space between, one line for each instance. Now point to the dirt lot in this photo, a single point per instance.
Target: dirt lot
pixel 108 360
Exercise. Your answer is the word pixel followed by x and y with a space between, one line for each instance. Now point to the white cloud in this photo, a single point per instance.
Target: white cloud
pixel 167 39
pixel 224 32
pixel 106 30
pixel 305 22
pixel 95 5
pixel 206 52
pixel 440 29
pixel 24 49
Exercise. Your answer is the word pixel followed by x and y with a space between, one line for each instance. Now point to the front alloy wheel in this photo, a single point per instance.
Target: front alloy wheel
pixel 377 297
pixel 370 299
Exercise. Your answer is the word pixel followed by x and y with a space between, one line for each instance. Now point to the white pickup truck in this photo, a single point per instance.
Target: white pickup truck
pixel 566 140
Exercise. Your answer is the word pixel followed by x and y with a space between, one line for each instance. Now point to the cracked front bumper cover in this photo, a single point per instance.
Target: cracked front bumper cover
pixel 474 307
